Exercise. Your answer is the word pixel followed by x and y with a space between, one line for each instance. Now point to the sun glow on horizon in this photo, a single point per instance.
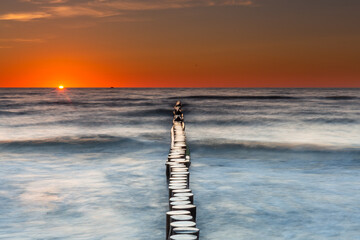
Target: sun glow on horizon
pixel 61 87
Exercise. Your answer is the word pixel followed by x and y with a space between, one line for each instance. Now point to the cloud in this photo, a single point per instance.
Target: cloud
pixel 67 11
pixel 22 40
pixel 24 16
pixel 45 1
pixel 137 5
pixel 105 8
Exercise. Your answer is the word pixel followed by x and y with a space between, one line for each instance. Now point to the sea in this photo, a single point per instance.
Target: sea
pixel 268 164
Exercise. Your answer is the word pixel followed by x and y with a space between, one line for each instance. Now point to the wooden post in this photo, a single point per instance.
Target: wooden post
pixel 181 220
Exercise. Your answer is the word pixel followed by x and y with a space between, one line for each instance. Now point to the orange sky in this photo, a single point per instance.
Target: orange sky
pixel 179 43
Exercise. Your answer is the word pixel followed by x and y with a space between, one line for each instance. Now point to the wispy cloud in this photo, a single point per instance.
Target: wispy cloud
pixel 105 8
pixel 24 16
pixel 67 11
pixel 22 40
pixel 45 1
pixel 138 5
pixel 14 42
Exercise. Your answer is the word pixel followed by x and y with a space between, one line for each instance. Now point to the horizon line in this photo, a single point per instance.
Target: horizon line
pixel 179 87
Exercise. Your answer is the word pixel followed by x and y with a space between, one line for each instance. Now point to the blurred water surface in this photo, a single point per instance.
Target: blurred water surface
pixel 267 163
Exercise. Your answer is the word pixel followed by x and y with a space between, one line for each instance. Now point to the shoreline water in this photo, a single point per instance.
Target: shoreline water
pixel 79 164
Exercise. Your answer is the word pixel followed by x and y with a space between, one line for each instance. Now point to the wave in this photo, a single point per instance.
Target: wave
pixel 61 102
pixel 224 97
pixel 236 122
pixel 82 104
pixel 18 105
pixel 331 120
pixel 340 97
pixel 20 113
pixel 20 94
pixel 100 121
pixel 155 112
pixel 86 143
pixel 221 146
pixel 264 97
pixel 117 99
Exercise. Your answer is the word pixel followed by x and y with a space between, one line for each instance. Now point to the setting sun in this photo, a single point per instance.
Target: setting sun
pixel 61 87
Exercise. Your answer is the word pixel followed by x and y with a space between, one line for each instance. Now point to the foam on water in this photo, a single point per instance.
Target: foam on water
pixel 267 163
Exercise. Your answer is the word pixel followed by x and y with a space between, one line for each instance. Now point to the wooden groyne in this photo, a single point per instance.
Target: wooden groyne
pixel 181 217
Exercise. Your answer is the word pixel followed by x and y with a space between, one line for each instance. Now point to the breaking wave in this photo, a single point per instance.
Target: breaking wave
pixel 224 146
pixel 86 143
pixel 224 97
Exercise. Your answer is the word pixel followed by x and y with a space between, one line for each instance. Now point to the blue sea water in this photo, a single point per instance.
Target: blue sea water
pixel 266 163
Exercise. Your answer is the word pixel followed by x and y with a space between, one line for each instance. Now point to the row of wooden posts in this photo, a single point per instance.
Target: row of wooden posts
pixel 181 217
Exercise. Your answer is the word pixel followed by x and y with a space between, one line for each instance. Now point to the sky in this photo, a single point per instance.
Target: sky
pixel 180 43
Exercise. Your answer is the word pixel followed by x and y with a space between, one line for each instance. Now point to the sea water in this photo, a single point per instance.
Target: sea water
pixel 266 163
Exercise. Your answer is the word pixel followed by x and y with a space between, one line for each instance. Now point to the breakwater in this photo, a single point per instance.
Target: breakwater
pixel 181 217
